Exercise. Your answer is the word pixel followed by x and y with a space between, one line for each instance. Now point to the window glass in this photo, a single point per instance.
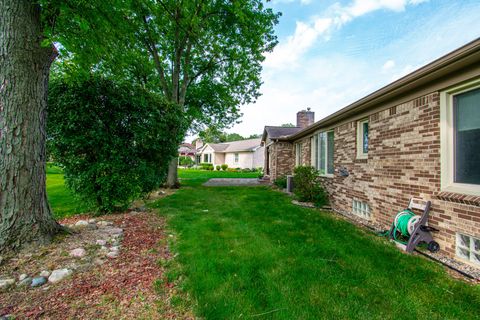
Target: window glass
pixel 365 137
pixel 467 137
pixel 330 152
pixel 323 144
pixel 205 157
pixel 236 157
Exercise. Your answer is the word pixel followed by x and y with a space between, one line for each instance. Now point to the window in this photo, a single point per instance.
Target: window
pixel 361 209
pixel 298 154
pixel 468 248
pixel 460 139
pixel 236 157
pixel 205 157
pixel 362 139
pixel 322 152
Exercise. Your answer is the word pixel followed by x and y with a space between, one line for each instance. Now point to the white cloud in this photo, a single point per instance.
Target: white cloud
pixel 388 65
pixel 289 52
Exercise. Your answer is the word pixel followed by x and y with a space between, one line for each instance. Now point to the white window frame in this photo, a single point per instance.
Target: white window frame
pixel 236 157
pixel 298 154
pixel 447 148
pixel 360 153
pixel 470 249
pixel 314 155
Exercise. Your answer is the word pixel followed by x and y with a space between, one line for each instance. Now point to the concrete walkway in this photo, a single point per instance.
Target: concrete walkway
pixel 233 182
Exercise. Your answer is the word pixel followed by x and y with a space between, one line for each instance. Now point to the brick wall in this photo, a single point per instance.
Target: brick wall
pixel 281 159
pixel 403 162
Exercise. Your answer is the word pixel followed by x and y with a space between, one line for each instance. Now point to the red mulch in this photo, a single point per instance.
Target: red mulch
pixel 120 288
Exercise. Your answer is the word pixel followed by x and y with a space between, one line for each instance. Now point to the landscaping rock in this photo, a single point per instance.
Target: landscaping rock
pixel 104 223
pixel 58 275
pixel 39 281
pixel 115 231
pixel 101 242
pixel 92 221
pixel 25 282
pixel 45 273
pixel 78 253
pixel 81 223
pixel 115 248
pixel 22 276
pixel 5 283
pixel 92 226
pixel 112 254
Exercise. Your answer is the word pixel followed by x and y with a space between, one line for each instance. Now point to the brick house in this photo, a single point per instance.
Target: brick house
pixel 416 137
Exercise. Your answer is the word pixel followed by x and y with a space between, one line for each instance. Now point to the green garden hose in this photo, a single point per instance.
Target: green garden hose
pixel 404 223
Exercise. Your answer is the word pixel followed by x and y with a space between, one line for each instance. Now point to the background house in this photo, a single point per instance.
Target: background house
pixel 416 137
pixel 236 154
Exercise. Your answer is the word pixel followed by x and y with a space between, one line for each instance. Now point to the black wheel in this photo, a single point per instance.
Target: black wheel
pixel 433 246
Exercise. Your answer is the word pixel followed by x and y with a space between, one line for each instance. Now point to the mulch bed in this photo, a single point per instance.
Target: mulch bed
pixel 119 288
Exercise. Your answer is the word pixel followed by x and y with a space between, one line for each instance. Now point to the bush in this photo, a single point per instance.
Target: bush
pixel 218 167
pixel 281 182
pixel 186 161
pixel 224 167
pixel 307 188
pixel 260 173
pixel 206 166
pixel 114 141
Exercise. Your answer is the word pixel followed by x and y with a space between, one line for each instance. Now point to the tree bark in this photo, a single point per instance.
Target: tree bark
pixel 172 177
pixel 24 69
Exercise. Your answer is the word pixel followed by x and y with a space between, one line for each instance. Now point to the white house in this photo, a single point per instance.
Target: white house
pixel 236 154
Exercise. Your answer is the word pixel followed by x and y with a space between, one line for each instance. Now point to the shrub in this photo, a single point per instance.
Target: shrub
pixel 307 188
pixel 206 166
pixel 114 141
pixel 281 182
pixel 260 173
pixel 224 166
pixel 218 167
pixel 186 161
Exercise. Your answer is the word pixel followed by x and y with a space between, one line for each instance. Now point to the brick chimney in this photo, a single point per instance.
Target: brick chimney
pixel 305 118
pixel 198 143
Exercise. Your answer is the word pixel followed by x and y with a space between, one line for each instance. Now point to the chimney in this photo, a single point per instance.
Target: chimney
pixel 198 143
pixel 305 118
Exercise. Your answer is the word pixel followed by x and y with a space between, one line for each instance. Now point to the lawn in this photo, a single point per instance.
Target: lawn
pixel 248 253
pixel 61 200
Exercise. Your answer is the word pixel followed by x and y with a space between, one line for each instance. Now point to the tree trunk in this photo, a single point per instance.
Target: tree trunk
pixel 24 69
pixel 172 177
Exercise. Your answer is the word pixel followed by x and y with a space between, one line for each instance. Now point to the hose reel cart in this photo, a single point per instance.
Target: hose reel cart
pixel 414 227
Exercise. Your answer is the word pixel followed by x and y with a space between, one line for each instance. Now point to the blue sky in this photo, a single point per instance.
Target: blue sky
pixel 332 53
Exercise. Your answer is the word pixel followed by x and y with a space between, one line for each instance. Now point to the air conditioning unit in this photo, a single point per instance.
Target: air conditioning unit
pixel 289 183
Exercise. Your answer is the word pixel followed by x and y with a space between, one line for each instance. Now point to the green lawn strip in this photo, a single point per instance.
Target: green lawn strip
pixel 62 201
pixel 247 252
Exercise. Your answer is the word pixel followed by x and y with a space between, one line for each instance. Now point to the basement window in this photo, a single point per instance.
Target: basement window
pixel 361 209
pixel 468 248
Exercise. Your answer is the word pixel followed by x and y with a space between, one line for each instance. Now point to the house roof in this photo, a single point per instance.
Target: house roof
pixel 236 146
pixel 454 61
pixel 279 132
pixel 186 148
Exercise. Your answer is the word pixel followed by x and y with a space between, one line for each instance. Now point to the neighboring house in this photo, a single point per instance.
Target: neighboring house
pixel 190 150
pixel 236 154
pixel 416 137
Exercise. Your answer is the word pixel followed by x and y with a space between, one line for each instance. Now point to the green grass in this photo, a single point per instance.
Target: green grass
pixel 248 253
pixel 62 201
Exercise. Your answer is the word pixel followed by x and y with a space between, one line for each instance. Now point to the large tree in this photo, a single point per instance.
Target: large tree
pixel 204 55
pixel 24 71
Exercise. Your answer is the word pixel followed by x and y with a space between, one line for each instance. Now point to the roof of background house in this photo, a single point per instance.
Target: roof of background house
pixel 186 148
pixel 439 68
pixel 279 132
pixel 236 146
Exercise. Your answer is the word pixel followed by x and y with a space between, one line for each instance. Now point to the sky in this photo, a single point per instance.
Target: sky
pixel 332 53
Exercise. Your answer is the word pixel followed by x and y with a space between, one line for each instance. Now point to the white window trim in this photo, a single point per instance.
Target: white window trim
pixel 314 153
pixel 360 153
pixel 447 149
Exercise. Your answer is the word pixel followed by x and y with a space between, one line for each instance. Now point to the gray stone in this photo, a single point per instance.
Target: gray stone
pixel 112 254
pixel 45 273
pixel 115 231
pixel 59 275
pixel 5 283
pixel 101 242
pixel 78 253
pixel 22 276
pixel 104 223
pixel 25 282
pixel 39 281
pixel 115 248
pixel 81 223
pixel 92 221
